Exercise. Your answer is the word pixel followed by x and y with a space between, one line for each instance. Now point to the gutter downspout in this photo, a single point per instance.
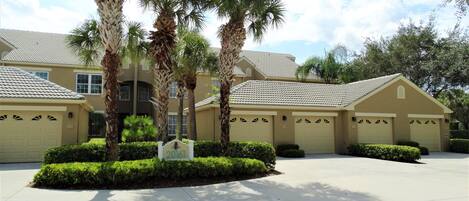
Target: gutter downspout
pixel 134 102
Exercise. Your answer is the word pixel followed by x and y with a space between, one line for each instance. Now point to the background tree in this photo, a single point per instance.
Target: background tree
pixel 193 56
pixel 259 16
pixel 461 5
pixel 434 64
pixel 169 14
pixel 327 68
pixel 135 49
pixel 458 101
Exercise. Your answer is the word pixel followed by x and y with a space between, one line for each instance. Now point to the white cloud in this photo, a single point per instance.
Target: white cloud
pixel 347 22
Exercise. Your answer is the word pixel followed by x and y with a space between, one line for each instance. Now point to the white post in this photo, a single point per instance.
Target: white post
pixel 191 149
pixel 160 150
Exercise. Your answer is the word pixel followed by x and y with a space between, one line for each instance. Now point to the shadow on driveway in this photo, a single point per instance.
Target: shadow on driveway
pixel 19 166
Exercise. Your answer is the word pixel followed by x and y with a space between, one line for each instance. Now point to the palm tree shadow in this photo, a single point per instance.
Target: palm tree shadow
pixel 268 190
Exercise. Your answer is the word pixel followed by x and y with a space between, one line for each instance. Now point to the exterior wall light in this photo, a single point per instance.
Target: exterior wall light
pixel 446 120
pixel 354 119
pixel 284 118
pixel 70 115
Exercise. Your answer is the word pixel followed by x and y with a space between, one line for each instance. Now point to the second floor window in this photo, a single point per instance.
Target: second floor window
pixel 172 124
pixel 124 93
pixel 143 94
pixel 41 74
pixel 173 90
pixel 89 83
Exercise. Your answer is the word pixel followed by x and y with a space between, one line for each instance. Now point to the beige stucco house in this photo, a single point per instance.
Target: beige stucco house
pixel 326 118
pixel 47 56
pixel 36 114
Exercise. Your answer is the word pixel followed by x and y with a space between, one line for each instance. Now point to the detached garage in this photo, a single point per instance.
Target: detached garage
pixel 327 118
pixel 36 114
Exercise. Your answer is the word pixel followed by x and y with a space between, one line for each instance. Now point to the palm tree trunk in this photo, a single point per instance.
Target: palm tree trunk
pixel 233 36
pixel 162 44
pixel 135 89
pixel 191 84
pixel 180 96
pixel 110 63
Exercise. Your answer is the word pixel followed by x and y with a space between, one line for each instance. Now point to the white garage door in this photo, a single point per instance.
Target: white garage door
pixel 374 130
pixel 251 128
pixel 426 132
pixel 24 136
pixel 315 134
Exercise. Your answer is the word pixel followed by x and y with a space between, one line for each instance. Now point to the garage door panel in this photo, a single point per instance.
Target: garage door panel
pixel 374 130
pixel 27 134
pixel 426 132
pixel 315 134
pixel 251 128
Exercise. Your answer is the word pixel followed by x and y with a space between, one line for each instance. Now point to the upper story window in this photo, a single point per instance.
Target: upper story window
pixel 124 93
pixel 400 92
pixel 41 74
pixel 172 123
pixel 89 83
pixel 173 90
pixel 144 94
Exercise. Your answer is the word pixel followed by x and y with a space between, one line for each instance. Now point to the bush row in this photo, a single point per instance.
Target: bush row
pixel 124 173
pixel 459 145
pixel 423 150
pixel 385 152
pixel 93 152
pixel 459 134
pixel 289 151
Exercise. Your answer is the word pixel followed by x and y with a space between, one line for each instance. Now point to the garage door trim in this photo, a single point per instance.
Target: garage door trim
pixel 33 108
pixel 246 112
pixel 426 116
pixel 369 114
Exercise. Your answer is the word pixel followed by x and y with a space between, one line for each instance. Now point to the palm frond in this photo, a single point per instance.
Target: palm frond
pixel 85 41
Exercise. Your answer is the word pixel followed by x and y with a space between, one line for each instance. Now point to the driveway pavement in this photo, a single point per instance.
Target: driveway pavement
pixel 441 176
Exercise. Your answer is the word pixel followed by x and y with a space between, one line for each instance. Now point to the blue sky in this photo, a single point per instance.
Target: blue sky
pixel 311 26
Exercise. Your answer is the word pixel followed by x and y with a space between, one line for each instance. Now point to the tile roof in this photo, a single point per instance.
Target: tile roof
pixel 51 48
pixel 281 93
pixel 17 83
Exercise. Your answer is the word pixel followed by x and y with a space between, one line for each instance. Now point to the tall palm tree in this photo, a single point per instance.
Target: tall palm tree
pixel 110 29
pixel 135 49
pixel 193 56
pixel 163 41
pixel 258 15
pixel 327 68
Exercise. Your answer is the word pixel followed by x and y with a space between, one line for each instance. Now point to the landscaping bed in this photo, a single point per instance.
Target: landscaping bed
pixel 385 152
pixel 95 152
pixel 459 145
pixel 147 173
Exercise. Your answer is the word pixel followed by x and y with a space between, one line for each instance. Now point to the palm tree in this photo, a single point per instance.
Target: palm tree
pixel 193 56
pixel 110 29
pixel 259 15
pixel 135 49
pixel 163 41
pixel 327 68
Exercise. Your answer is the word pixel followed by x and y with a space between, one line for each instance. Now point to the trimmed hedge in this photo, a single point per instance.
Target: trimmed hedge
pixel 459 134
pixel 282 147
pixel 292 153
pixel 124 173
pixel 459 145
pixel 424 151
pixel 90 152
pixel 385 152
pixel 408 143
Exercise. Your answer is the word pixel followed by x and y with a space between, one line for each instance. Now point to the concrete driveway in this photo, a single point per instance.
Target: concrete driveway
pixel 441 176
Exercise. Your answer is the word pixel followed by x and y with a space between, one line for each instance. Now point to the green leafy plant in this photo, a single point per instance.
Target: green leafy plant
pixel 385 152
pixel 124 173
pixel 459 134
pixel 408 143
pixel 424 151
pixel 144 150
pixel 282 147
pixel 459 145
pixel 138 129
pixel 292 153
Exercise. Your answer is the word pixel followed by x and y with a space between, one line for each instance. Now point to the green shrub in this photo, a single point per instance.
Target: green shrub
pixel 459 134
pixel 424 151
pixel 142 150
pixel 138 129
pixel 408 143
pixel 385 152
pixel 282 147
pixel 459 145
pixel 292 153
pixel 124 173
pixel 91 152
pixel 96 141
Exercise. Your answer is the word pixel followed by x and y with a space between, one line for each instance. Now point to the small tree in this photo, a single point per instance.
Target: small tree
pixel 138 128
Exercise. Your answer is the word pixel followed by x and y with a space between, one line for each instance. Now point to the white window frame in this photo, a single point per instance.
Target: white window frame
pixel 89 83
pixel 173 94
pixel 184 124
pixel 120 97
pixel 33 72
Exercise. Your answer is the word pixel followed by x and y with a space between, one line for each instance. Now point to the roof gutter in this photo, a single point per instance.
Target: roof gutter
pixel 276 107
